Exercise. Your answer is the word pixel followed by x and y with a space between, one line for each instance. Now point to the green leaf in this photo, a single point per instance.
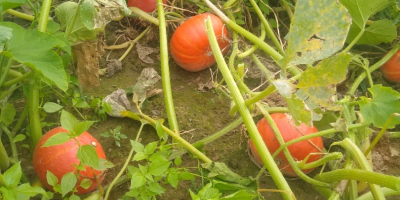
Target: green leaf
pixel 85 183
pixel 239 195
pixel 318 30
pixel 7 114
pixel 186 176
pixel 25 191
pixel 65 13
pixel 178 161
pixel 137 146
pixel 160 131
pixel 88 12
pixel 51 107
pixel 57 139
pixel 381 31
pixel 137 180
pixel 207 192
pixel 51 179
pixel 299 110
pixel 150 148
pixel 173 179
pixel 68 121
pixel 12 176
pixel 317 84
pixel 377 110
pixel 68 182
pixel 159 167
pixel 361 10
pixel 10 4
pixel 35 49
pixel 82 127
pixel 19 138
pixel 156 188
pixel 5 35
pixel 87 155
pixel 80 103
pixel 221 171
pixel 139 156
pixel 74 197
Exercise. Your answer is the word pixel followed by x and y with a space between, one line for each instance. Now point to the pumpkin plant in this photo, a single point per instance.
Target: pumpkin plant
pixel 391 69
pixel 311 148
pixel 190 46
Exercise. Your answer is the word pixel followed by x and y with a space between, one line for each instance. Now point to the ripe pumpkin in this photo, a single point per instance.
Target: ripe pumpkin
pixel 190 47
pixel 391 69
pixel 59 159
pixel 145 5
pixel 289 131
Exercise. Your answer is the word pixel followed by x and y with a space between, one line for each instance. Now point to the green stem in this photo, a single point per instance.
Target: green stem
pixel 210 138
pixel 251 50
pixel 175 136
pixel 386 192
pixel 317 134
pixel 144 15
pixel 322 161
pixel 12 144
pixel 20 15
pixel 268 28
pixel 362 162
pixel 384 180
pixel 166 80
pixel 380 134
pixel 20 120
pixel 354 40
pixel 34 88
pixel 246 115
pixel 44 16
pixel 4 160
pixel 122 170
pixel 286 152
pixel 5 71
pixel 17 80
pixel 132 42
pixel 35 128
pixel 374 67
pixel 248 35
pixel 228 4
pixel 288 10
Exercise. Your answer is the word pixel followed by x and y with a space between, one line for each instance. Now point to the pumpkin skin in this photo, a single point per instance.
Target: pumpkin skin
pixel 145 5
pixel 59 160
pixel 289 131
pixel 190 47
pixel 391 69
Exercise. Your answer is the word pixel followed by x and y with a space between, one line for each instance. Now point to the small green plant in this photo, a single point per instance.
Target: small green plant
pixel 12 188
pixel 146 178
pixel 116 134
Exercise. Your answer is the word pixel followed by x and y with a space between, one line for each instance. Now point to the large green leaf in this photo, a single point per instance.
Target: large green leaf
pixel 35 49
pixel 9 4
pixel 5 35
pixel 361 10
pixel 381 31
pixel 377 110
pixel 318 30
pixel 298 109
pixel 80 32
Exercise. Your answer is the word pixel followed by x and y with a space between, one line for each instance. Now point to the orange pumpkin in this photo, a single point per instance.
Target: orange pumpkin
pixel 60 159
pixel 289 131
pixel 190 47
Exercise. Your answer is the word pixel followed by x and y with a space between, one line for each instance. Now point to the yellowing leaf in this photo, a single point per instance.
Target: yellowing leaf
pixel 318 30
